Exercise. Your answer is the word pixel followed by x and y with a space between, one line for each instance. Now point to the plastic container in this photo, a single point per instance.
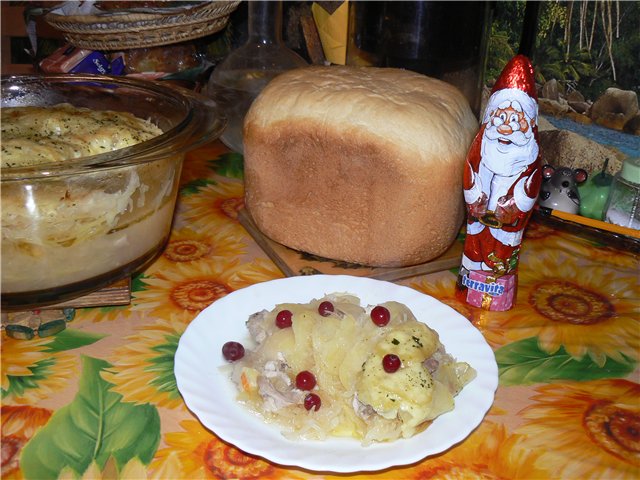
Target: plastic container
pixel 623 205
pixel 594 194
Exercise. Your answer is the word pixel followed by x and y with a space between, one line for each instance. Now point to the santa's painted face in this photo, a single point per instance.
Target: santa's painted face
pixel 507 142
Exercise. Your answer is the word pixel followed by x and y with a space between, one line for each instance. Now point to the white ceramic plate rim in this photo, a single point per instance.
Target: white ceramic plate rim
pixel 210 394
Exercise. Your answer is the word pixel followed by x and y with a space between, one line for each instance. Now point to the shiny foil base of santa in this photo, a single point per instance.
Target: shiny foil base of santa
pixel 487 290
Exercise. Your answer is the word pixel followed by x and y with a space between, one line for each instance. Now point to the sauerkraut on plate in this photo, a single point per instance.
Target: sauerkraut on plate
pixel 335 368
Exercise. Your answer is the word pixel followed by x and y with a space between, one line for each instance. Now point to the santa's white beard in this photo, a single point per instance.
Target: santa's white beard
pixel 507 160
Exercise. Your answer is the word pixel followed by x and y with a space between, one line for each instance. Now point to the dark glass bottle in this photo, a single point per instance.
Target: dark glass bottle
pixel 445 40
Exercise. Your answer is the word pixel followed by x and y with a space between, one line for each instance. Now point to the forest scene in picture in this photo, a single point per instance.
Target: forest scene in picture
pixel 584 50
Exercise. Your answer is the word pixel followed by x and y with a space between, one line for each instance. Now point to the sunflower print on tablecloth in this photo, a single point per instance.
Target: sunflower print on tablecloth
pixel 489 452
pixel 187 246
pixel 257 271
pixel 214 206
pixel 193 287
pixel 200 163
pixel 108 313
pixel 540 239
pixel 442 286
pixel 142 368
pixel 31 372
pixel 186 287
pixel 582 307
pixel 19 424
pixel 194 452
pixel 594 428
pixel 184 247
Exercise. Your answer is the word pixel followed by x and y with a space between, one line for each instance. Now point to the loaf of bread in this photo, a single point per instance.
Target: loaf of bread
pixel 358 164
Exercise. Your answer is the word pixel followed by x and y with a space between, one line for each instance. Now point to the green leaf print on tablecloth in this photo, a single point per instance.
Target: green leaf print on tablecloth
pixel 524 363
pixel 70 338
pixel 67 339
pixel 194 186
pixel 229 165
pixel 95 426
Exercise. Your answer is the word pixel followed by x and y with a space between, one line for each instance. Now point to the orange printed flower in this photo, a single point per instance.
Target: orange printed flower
pixel 608 255
pixel 443 288
pixel 196 162
pixel 199 454
pixel 142 369
pixel 541 238
pixel 185 287
pixel 19 424
pixel 585 308
pixel 539 231
pixel 215 206
pixel 185 246
pixel 594 428
pixel 133 469
pixel 30 372
pixel 259 270
pixel 489 452
pixel 101 314
pixel 192 287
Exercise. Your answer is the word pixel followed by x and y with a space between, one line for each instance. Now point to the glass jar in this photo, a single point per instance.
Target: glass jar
pixel 623 205
pixel 56 248
pixel 242 75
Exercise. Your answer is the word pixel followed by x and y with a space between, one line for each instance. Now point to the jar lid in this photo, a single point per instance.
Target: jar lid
pixel 631 170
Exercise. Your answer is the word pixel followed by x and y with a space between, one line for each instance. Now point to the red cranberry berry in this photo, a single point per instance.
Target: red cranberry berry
pixel 232 351
pixel 312 401
pixel 283 319
pixel 391 363
pixel 325 309
pixel 380 316
pixel 305 380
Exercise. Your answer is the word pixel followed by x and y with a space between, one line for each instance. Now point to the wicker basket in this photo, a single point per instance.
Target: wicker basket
pixel 121 31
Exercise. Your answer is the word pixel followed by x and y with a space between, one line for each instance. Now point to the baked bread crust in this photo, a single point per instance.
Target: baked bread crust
pixel 358 164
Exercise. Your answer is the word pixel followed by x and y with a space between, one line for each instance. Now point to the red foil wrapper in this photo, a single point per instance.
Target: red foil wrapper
pixel 501 182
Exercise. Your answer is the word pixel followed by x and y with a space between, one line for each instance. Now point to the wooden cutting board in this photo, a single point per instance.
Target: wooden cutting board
pixel 294 263
pixel 118 293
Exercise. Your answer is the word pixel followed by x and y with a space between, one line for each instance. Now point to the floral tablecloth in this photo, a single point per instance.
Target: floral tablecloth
pixel 99 399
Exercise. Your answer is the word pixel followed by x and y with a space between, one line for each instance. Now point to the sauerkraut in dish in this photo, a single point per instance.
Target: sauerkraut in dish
pixel 67 229
pixel 335 368
pixel 37 135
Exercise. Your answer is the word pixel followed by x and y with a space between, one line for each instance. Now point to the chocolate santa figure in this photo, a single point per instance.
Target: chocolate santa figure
pixel 501 182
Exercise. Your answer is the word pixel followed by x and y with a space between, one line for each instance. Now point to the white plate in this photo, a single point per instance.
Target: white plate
pixel 211 395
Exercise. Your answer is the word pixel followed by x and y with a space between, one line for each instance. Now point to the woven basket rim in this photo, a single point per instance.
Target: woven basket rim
pixel 120 22
pixel 144 38
pixel 97 32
